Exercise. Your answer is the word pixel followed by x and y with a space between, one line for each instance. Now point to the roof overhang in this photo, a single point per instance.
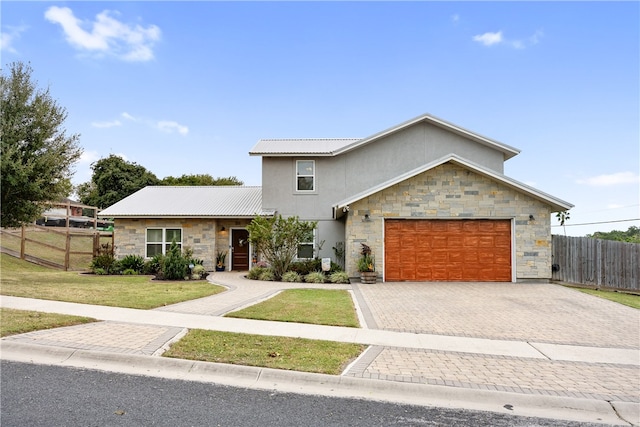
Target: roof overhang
pixel 341 207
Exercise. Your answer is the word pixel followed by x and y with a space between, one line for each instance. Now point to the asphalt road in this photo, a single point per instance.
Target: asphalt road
pixel 39 395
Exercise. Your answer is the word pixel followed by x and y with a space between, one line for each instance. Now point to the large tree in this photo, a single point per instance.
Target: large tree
pixel 36 154
pixel 200 179
pixel 112 180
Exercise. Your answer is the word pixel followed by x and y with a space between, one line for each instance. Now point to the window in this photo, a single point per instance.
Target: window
pixel 305 248
pixel 305 175
pixel 159 240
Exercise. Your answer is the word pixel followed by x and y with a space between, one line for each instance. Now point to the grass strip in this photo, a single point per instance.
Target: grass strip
pixel 619 297
pixel 15 322
pixel 296 354
pixel 332 307
pixel 24 279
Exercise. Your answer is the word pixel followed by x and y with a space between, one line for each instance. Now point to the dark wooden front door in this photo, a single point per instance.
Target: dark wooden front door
pixel 240 249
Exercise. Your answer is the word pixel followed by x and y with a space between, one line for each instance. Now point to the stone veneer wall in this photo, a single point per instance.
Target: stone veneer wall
pixel 450 191
pixel 202 235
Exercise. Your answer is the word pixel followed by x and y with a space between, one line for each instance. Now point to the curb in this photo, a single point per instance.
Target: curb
pixel 554 407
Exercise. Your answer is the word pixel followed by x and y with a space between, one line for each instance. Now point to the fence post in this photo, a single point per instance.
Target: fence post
pixel 67 249
pixel 23 239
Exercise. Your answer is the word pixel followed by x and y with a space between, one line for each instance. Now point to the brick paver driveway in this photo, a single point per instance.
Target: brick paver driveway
pixel 523 311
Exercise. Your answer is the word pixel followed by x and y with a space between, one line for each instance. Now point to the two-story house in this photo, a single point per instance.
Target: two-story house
pixel 430 198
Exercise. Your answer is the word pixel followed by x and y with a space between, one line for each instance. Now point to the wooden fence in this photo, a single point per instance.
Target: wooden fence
pixel 599 263
pixel 66 248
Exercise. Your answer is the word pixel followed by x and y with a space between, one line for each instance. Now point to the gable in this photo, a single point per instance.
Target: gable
pixel 555 204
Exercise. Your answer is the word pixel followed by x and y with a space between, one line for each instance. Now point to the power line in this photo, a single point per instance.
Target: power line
pixel 601 222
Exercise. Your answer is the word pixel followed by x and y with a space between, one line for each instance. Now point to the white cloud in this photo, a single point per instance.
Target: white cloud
pixel 611 179
pixel 113 123
pixel 88 157
pixel 108 36
pixel 169 127
pixel 488 39
pixel 8 37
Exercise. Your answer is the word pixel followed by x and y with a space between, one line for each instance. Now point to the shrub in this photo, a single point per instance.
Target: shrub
pixel 132 262
pixel 154 265
pixel 175 265
pixel 199 272
pixel 105 261
pixel 315 277
pixel 306 266
pixel 99 271
pixel 267 275
pixel 255 272
pixel 129 272
pixel 291 276
pixel 339 277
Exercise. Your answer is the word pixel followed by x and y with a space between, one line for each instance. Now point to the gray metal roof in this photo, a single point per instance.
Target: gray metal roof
pixel 304 146
pixel 189 201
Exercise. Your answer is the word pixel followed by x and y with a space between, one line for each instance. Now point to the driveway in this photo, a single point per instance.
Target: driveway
pixel 546 313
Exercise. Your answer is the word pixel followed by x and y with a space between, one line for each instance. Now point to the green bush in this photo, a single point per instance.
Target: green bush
pixel 132 262
pixel 306 266
pixel 315 277
pixel 339 277
pixel 154 265
pixel 105 261
pixel 255 272
pixel 291 276
pixel 199 272
pixel 176 266
pixel 129 272
pixel 268 275
pixel 99 271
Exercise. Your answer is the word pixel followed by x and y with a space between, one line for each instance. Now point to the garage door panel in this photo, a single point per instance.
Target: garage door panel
pixel 448 250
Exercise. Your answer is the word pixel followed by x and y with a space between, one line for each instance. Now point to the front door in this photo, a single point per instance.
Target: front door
pixel 239 249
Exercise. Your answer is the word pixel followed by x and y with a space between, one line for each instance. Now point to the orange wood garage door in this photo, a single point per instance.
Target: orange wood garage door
pixel 448 250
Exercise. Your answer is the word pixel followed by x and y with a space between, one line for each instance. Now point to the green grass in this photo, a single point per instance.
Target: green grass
pixel 296 354
pixel 22 321
pixel 619 297
pixel 24 279
pixel 81 241
pixel 317 306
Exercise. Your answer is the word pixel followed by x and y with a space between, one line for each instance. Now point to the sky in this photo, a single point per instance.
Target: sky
pixel 190 87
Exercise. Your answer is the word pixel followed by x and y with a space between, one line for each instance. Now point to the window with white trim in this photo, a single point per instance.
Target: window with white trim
pixel 159 240
pixel 305 175
pixel 305 248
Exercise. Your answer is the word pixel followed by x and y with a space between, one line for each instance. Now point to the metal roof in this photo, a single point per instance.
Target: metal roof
pixel 189 201
pixel 337 146
pixel 304 146
pixel 557 204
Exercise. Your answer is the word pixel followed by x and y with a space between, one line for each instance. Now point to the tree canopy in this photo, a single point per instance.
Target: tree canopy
pixel 112 180
pixel 36 154
pixel 632 235
pixel 200 179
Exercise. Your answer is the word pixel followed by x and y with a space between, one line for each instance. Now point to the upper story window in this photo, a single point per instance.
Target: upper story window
pixel 305 175
pixel 159 240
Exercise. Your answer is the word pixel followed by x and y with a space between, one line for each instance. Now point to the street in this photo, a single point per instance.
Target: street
pixel 39 395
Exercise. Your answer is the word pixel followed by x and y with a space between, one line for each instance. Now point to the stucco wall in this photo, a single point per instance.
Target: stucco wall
pixel 450 191
pixel 204 236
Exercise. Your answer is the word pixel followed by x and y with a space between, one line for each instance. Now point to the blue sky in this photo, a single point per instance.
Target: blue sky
pixel 190 87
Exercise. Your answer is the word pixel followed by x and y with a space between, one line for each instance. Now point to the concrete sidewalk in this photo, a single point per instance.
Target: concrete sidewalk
pixel 584 383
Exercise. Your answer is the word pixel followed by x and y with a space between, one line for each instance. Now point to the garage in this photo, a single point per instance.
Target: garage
pixel 440 250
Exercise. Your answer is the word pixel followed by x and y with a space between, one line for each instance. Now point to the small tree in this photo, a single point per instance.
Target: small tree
pixel 277 239
pixel 563 217
pixel 176 266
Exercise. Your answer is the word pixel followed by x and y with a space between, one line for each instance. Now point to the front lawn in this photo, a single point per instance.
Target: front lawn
pixel 296 354
pixel 25 279
pixel 332 307
pixel 619 297
pixel 14 322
